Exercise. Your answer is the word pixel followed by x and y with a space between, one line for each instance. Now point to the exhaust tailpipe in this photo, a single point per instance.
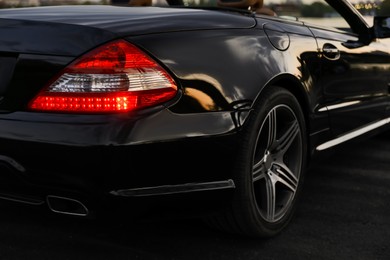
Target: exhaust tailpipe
pixel 66 206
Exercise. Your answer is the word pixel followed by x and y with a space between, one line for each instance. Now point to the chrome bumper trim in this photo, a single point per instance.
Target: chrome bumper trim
pixel 8 160
pixel 20 199
pixel 174 189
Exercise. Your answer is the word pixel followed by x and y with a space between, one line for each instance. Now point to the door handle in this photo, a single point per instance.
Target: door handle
pixel 330 51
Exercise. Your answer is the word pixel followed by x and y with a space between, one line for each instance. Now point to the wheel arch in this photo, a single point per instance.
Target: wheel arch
pixel 301 93
pixel 296 87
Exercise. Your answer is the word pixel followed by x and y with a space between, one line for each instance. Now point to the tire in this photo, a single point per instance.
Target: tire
pixel 269 169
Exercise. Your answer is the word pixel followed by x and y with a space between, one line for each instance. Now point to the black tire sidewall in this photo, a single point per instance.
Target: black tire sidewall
pixel 245 201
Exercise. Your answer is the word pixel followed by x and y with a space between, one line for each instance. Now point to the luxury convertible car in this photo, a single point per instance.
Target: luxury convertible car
pixel 208 110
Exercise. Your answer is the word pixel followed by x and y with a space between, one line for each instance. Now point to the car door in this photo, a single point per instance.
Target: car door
pixel 354 78
pixel 354 68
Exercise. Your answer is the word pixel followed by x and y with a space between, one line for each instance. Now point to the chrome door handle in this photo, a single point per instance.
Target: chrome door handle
pixel 330 51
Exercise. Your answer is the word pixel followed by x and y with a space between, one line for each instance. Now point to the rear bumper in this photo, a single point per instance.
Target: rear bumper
pixel 99 159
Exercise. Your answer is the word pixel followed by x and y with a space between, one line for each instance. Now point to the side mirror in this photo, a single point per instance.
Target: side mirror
pixel 382 26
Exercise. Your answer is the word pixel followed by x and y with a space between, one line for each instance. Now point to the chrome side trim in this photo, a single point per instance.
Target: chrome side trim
pixel 174 189
pixel 352 134
pixel 345 104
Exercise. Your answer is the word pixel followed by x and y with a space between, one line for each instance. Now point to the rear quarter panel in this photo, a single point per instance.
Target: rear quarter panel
pixel 226 70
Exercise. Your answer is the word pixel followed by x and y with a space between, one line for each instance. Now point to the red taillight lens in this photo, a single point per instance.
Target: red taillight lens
pixel 116 77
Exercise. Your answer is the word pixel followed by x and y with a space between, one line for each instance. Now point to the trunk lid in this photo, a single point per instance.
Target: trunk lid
pixel 72 30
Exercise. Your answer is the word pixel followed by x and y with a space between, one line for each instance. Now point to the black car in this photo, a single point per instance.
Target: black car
pixel 212 110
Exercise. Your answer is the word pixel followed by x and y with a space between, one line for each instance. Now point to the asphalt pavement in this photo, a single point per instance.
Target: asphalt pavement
pixel 344 214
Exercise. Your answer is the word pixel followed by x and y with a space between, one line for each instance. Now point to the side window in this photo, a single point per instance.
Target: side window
pixel 316 12
pixel 320 13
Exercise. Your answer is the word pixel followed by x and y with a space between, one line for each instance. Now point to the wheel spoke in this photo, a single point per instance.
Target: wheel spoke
pixel 258 170
pixel 286 177
pixel 271 198
pixel 288 137
pixel 271 128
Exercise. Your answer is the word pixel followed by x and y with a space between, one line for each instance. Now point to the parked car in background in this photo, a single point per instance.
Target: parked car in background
pixel 212 110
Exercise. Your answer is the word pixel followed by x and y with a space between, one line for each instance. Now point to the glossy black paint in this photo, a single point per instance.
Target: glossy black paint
pixel 221 61
pixel 346 79
pixel 125 21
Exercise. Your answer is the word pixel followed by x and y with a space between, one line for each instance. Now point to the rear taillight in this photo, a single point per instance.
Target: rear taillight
pixel 116 77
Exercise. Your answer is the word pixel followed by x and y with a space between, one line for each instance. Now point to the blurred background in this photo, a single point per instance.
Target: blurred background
pixel 366 7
